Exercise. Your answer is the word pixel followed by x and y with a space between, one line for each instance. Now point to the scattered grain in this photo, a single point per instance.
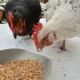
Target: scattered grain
pixel 58 60
pixel 63 68
pixel 64 75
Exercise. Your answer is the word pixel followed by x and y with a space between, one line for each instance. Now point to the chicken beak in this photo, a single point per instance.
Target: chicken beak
pixel 15 35
pixel 39 49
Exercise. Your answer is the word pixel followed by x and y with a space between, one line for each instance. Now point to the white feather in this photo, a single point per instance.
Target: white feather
pixel 63 19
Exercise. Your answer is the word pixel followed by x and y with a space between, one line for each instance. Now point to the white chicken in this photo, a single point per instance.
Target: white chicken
pixel 63 22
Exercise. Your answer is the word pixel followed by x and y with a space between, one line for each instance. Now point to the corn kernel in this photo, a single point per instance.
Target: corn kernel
pixel 30 73
pixel 2 78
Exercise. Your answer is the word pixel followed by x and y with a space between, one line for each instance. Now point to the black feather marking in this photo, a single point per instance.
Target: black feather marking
pixel 28 9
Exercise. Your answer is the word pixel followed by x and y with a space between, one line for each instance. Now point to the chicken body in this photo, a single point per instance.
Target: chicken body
pixel 63 22
pixel 28 10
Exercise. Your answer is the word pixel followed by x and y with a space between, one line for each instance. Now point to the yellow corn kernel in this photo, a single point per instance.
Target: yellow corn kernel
pixel 23 73
pixel 27 76
pixel 2 78
pixel 41 73
pixel 30 73
pixel 31 61
pixel 35 59
pixel 7 79
pixel 12 61
pixel 24 61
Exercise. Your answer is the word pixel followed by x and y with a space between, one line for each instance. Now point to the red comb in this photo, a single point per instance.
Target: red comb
pixel 10 17
pixel 36 30
pixel 11 21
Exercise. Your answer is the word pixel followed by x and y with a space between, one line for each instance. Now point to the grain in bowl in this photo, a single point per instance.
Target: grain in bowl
pixel 22 70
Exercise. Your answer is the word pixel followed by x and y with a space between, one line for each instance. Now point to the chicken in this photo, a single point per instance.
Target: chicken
pixel 63 22
pixel 44 1
pixel 21 15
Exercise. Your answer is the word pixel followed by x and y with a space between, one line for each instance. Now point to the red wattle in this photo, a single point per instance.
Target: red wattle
pixel 13 29
pixel 21 30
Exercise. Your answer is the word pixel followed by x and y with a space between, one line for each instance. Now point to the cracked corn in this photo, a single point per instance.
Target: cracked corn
pixel 21 70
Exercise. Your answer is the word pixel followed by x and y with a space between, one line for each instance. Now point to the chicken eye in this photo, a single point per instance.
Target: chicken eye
pixel 44 38
pixel 19 23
